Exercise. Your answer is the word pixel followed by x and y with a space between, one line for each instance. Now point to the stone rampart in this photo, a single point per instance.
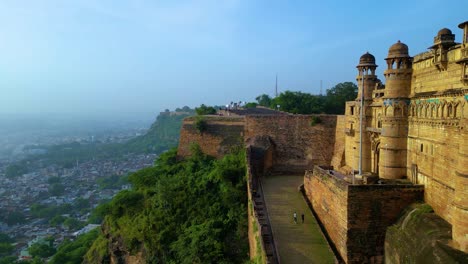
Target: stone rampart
pixel 300 142
pixel 356 216
pixel 216 138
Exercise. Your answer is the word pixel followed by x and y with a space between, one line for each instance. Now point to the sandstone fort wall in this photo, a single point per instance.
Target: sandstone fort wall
pixel 300 144
pixel 218 137
pixel 356 217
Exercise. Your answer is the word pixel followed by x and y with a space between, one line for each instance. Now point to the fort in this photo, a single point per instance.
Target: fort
pixel 399 142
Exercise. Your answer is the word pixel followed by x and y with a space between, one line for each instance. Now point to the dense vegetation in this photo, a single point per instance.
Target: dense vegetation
pixel 205 110
pixel 5 245
pixel 304 103
pixel 73 252
pixel 190 211
pixel 162 135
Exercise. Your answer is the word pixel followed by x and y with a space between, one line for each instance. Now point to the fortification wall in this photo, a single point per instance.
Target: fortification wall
pixel 427 78
pixel 433 156
pixel 338 158
pixel 328 197
pixel 356 216
pixel 300 144
pixel 219 135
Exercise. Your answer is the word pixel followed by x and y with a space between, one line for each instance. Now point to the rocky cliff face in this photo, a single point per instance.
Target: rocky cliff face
pixel 113 251
pixel 420 236
pixel 119 254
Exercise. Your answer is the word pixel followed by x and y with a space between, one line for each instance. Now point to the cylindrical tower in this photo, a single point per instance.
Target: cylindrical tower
pixel 394 133
pixel 366 80
pixel 366 69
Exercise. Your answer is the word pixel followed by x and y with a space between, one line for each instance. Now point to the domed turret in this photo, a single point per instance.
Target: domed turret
pixel 366 73
pixel 444 38
pixel 367 60
pixel 444 31
pixel 398 50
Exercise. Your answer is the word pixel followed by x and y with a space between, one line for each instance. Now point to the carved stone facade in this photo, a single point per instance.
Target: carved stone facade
pixel 414 126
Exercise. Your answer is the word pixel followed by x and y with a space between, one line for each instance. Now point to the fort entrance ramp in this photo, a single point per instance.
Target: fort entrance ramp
pixel 296 242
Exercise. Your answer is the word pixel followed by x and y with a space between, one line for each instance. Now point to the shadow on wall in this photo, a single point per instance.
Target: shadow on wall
pixel 263 153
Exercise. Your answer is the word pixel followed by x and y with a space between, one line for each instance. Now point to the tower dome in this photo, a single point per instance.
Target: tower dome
pixel 444 37
pixel 444 31
pixel 398 50
pixel 367 60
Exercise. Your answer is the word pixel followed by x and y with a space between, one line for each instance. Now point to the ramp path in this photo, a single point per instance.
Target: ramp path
pixel 296 243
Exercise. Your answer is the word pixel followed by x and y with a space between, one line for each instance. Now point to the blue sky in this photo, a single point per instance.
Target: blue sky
pixel 115 56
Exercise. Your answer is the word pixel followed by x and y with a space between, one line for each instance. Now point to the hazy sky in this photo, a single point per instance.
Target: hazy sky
pixel 115 56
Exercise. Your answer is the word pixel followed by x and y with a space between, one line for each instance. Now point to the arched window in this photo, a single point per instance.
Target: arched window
pixel 449 110
pixel 397 111
pixel 422 147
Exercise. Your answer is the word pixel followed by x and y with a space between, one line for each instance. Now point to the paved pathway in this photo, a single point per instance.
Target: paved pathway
pixel 296 243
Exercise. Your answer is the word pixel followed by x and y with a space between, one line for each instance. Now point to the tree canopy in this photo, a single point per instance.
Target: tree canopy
pixel 189 211
pixel 304 103
pixel 205 110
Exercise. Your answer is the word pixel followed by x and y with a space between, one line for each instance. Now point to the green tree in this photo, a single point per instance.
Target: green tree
pixel 338 95
pixel 98 214
pixel 57 220
pixel 53 179
pixel 12 217
pixel 81 204
pixel 73 223
pixel 264 100
pixel 56 189
pixel 184 211
pixel 41 250
pixel 250 105
pixel 4 238
pixel 205 110
pixel 15 170
pixel 73 252
pixel 298 103
pixel 200 124
pixel 5 249
pixel 8 260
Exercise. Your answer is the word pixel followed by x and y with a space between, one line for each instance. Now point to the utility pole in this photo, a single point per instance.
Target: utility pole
pixel 276 86
pixel 321 87
pixel 360 123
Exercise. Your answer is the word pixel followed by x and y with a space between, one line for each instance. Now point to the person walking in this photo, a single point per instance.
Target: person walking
pixel 295 217
pixel 302 216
